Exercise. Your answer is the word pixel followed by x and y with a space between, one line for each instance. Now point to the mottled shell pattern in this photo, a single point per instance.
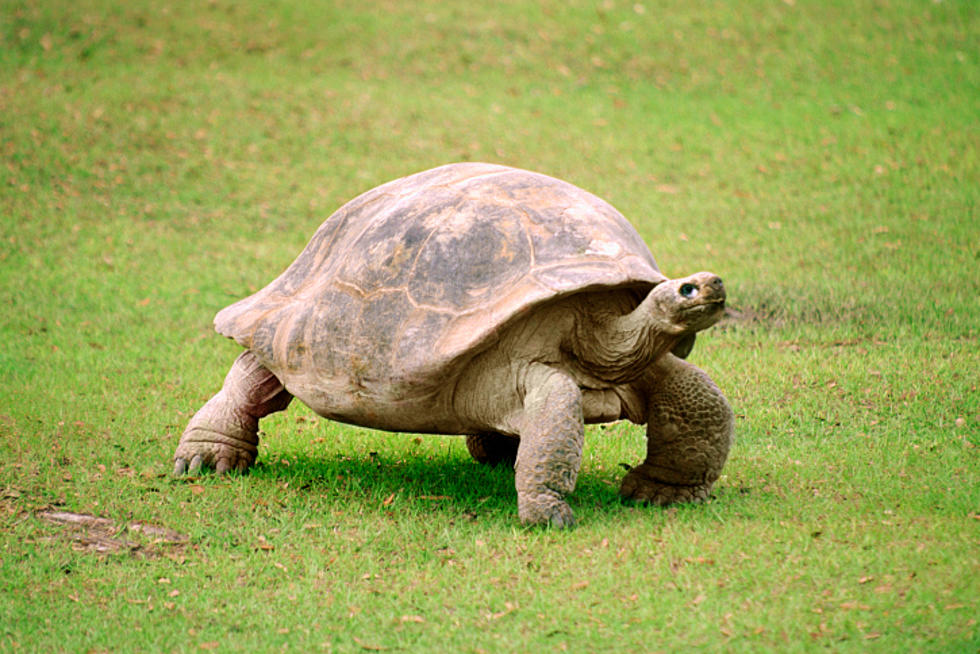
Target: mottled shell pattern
pixel 418 275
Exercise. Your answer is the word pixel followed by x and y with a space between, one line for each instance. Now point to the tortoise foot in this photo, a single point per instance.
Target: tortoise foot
pixel 224 433
pixel 547 510
pixel 642 485
pixel 201 448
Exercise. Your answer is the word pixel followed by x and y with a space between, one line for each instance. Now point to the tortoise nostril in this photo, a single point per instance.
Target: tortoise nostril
pixel 688 290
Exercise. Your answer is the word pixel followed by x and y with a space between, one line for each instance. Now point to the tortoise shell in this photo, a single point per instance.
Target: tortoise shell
pixel 412 278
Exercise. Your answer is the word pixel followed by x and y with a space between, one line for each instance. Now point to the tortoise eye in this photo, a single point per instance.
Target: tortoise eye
pixel 689 290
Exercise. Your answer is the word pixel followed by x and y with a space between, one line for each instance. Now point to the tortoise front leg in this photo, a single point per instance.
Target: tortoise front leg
pixel 690 428
pixel 550 450
pixel 224 433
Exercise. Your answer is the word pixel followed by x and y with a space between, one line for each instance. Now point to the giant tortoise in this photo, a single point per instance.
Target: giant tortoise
pixel 490 302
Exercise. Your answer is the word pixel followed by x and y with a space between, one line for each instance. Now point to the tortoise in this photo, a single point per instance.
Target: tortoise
pixel 487 301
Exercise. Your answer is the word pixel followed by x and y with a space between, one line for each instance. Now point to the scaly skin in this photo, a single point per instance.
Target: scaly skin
pixel 224 433
pixel 690 429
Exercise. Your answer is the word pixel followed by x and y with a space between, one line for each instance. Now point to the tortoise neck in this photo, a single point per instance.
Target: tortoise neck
pixel 619 348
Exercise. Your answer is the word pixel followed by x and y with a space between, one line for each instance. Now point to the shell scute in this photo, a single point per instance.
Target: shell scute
pixel 481 248
pixel 336 315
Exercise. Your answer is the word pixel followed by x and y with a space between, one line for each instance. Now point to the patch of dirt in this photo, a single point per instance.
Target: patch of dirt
pixel 90 533
pixel 770 312
pixel 735 317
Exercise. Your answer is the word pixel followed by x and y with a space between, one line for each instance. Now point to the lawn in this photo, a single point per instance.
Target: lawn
pixel 162 160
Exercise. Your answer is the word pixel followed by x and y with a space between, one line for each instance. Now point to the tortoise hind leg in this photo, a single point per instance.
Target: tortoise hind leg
pixel 224 433
pixel 493 449
pixel 690 428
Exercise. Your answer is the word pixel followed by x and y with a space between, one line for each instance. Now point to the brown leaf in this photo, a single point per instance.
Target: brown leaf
pixel 368 646
pixel 701 560
pixel 196 489
pixel 509 608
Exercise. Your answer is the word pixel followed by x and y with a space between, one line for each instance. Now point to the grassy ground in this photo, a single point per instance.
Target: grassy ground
pixel 162 160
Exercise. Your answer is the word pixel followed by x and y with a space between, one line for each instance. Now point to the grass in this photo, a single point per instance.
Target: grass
pixel 161 161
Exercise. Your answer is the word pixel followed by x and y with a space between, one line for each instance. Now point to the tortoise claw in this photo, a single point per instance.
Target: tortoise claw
pixel 196 463
pixel 180 467
pixel 223 466
pixel 545 510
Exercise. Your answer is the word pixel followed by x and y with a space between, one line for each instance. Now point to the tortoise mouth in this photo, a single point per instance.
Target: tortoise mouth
pixel 703 314
pixel 716 304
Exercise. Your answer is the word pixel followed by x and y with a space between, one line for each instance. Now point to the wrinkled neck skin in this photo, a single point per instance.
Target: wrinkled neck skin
pixel 618 348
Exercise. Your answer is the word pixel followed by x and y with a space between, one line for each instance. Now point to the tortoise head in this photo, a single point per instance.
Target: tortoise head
pixel 686 305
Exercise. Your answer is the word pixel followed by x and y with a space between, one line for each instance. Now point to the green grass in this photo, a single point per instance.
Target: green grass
pixel 161 161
